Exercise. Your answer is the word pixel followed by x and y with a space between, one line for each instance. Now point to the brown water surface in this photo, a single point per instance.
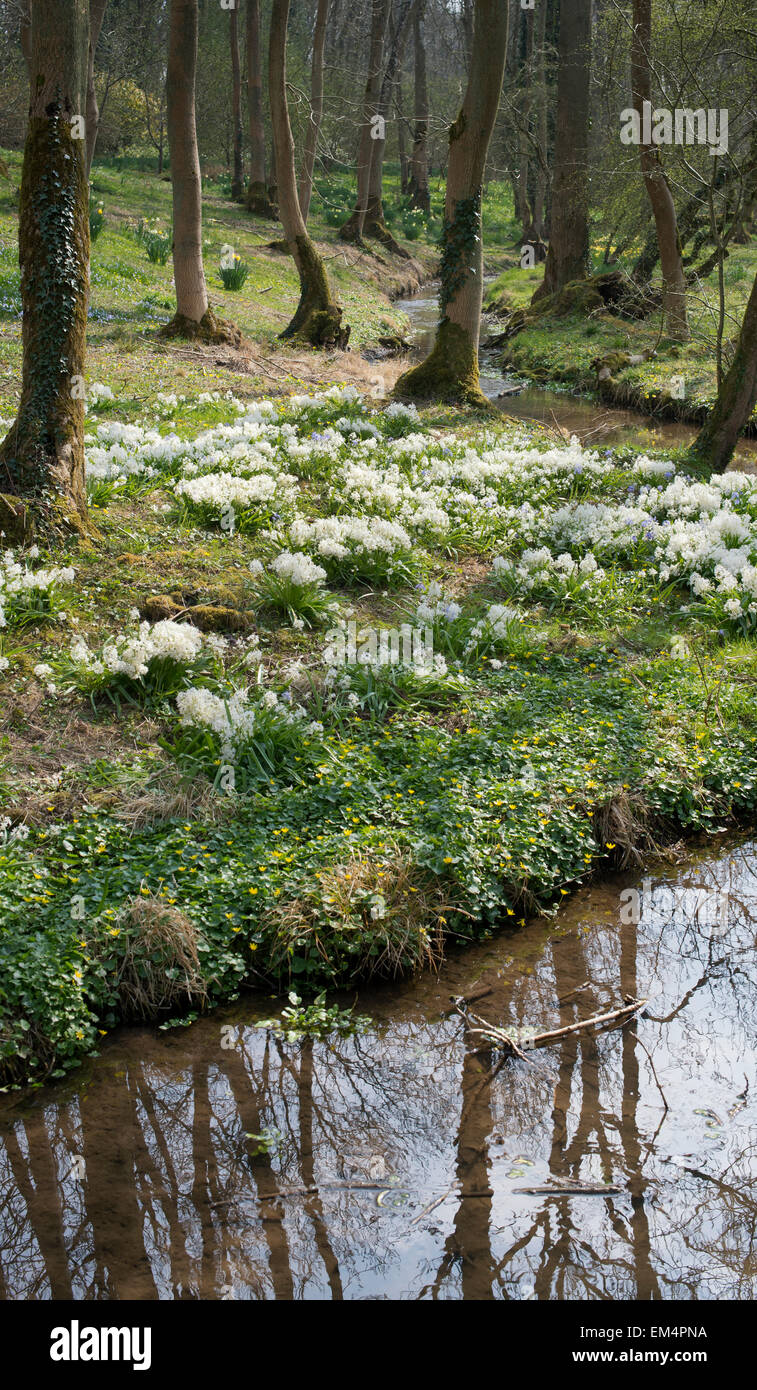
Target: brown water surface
pixel 391 1160
pixel 596 425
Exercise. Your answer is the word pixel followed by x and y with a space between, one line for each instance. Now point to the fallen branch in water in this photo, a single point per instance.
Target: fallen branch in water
pixel 574 1189
pixel 499 1037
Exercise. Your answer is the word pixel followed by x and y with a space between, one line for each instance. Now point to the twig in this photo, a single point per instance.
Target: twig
pixel 574 1190
pixel 499 1037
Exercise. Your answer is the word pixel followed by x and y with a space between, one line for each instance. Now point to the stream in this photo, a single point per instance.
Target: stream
pixel 594 423
pixel 217 1161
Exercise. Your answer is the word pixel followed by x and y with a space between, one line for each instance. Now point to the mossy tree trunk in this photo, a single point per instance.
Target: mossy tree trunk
pixel 655 182
pixel 305 187
pixel 714 445
pixel 318 319
pixel 352 229
pixel 451 371
pixel 237 177
pixel 42 457
pixel 258 200
pixel 419 193
pixel 568 255
pixel 96 15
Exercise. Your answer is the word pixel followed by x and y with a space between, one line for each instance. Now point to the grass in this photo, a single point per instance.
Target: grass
pixel 407 810
pixel 679 379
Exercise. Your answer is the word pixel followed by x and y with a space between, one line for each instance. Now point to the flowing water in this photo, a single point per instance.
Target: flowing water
pixel 393 1163
pixel 594 424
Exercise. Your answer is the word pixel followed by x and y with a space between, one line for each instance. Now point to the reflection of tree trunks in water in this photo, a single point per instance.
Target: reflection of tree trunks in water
pixel 122 1267
pixel 313 1204
pixel 647 1285
pixel 249 1106
pixel 155 1189
pixel 37 1182
pixel 470 1241
pixel 204 1181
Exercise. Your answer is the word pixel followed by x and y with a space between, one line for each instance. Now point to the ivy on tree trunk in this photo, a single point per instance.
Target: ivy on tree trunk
pixel 42 487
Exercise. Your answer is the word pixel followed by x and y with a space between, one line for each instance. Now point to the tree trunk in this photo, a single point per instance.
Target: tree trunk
pixel 374 224
pixel 42 456
pixel 568 254
pixel 193 318
pixel 318 319
pixel 419 194
pixel 316 109
pixel 402 153
pixel 523 206
pixel 451 371
pixel 658 189
pixel 716 441
pixel 258 200
pixel 96 15
pixel 352 229
pixel 237 178
pixel 540 121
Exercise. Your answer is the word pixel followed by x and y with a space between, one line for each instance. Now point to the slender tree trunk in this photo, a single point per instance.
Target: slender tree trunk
pixel 657 186
pixel 96 15
pixel 258 200
pixel 716 441
pixel 568 255
pixel 25 37
pixel 42 456
pixel 237 178
pixel 419 194
pixel 189 274
pixel 374 224
pixel 316 109
pixel 194 317
pixel 318 318
pixel 523 206
pixel 352 230
pixel 451 371
pixel 402 153
pixel 540 121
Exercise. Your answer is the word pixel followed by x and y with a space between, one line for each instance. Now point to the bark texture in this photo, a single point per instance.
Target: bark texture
pixel 318 318
pixel 451 371
pixel 42 457
pixel 568 253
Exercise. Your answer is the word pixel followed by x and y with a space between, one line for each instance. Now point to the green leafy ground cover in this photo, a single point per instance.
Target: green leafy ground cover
pixel 199 795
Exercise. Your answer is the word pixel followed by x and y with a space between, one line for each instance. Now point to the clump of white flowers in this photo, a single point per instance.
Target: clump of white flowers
pixel 294 585
pixel 372 547
pixel 157 658
pixel 27 594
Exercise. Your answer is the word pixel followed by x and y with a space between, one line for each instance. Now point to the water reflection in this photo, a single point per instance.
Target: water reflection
pixel 386 1165
pixel 596 425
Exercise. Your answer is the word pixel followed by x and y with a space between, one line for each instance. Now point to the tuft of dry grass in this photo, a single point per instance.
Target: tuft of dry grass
pixel 626 823
pixel 371 916
pixel 159 966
